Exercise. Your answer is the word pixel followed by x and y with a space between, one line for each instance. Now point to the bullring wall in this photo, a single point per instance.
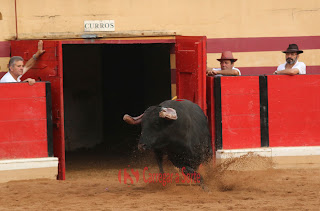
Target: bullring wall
pixel 25 121
pixel 265 111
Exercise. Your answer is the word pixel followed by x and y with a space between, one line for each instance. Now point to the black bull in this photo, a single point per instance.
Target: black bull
pixel 178 129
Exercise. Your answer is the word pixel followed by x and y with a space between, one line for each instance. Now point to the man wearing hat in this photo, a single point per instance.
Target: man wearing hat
pixel 292 65
pixel 227 66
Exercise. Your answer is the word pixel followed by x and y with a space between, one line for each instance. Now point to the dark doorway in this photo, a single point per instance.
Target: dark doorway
pixel 102 82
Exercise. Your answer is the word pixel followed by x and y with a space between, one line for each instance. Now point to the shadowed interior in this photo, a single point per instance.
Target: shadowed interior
pixel 102 82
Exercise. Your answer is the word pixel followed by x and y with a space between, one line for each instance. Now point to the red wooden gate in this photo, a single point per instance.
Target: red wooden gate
pixel 191 58
pixel 48 68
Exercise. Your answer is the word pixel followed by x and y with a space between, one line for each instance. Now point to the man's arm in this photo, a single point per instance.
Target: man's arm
pixel 32 60
pixel 294 71
pixel 209 71
pixel 227 72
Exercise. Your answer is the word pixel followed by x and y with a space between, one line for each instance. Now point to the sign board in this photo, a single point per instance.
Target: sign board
pixel 99 25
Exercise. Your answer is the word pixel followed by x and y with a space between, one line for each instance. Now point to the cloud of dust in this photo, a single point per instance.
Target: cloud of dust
pixel 233 173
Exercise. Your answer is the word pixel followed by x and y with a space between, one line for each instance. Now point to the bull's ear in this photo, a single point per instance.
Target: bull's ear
pixel 132 120
pixel 168 113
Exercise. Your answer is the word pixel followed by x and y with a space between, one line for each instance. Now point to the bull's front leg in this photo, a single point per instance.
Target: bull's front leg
pixel 159 158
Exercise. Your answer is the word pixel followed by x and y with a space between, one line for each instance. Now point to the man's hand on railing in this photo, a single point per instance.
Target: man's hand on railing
pixel 30 81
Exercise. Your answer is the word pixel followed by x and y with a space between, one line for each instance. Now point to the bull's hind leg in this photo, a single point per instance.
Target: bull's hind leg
pixel 188 171
pixel 159 158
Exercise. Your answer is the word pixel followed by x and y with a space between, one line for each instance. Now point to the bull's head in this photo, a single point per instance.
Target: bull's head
pixel 151 129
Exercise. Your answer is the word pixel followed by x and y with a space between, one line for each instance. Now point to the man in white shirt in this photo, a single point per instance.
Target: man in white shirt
pixel 17 69
pixel 292 65
pixel 226 66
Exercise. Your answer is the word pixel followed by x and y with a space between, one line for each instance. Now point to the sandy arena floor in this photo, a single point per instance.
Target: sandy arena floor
pixel 93 184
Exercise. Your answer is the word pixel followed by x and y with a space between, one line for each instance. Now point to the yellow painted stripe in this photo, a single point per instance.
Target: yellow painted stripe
pixel 264 59
pixel 173 90
pixel 173 61
pixel 4 61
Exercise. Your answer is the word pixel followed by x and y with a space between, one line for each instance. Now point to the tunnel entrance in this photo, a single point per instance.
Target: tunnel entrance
pixel 101 83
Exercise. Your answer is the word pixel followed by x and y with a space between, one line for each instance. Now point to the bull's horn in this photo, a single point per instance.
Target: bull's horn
pixel 132 120
pixel 168 113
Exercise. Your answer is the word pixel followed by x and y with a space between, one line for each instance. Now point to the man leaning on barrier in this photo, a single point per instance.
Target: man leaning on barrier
pixel 292 65
pixel 17 69
pixel 226 66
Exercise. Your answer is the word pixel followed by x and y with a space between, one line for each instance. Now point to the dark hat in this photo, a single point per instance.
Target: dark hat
pixel 293 48
pixel 227 55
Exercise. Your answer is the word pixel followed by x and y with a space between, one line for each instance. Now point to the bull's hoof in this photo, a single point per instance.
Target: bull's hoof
pixel 205 188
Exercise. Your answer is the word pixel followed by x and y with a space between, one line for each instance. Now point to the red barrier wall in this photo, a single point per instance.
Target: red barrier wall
pixel 240 111
pixel 294 110
pixel 23 120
